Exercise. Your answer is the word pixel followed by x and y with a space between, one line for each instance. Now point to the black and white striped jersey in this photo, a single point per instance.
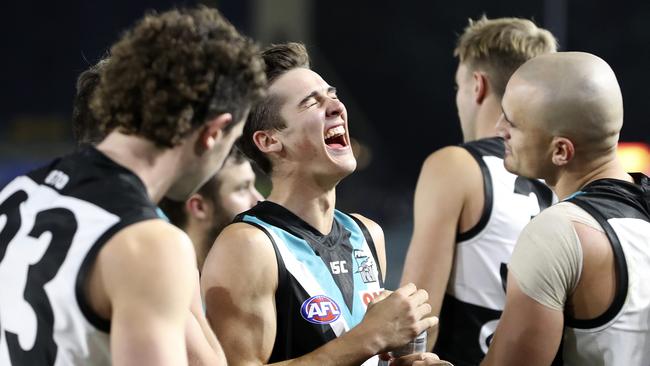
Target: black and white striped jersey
pixel 475 294
pixel 53 222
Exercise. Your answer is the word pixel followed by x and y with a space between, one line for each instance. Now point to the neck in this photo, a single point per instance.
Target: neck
pixel 581 173
pixel 306 198
pixel 150 163
pixel 487 117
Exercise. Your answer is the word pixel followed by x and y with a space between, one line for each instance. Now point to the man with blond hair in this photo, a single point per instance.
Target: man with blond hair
pixel 468 209
pixel 578 277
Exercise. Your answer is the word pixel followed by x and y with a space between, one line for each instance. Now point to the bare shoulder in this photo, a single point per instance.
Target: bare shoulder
pixel 375 230
pixel 240 248
pixel 241 239
pixel 451 166
pixel 452 159
pixel 149 244
pixel 151 260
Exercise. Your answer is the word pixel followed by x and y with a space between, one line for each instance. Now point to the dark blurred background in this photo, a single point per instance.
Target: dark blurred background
pixel 391 61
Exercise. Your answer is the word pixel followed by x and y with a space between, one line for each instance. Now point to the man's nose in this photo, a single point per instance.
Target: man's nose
pixel 502 127
pixel 334 107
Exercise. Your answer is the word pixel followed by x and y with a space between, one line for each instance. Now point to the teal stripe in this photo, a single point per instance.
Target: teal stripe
pixel 304 253
pixel 161 214
pixel 574 194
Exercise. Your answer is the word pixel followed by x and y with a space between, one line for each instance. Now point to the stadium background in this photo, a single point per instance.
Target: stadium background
pixel 391 61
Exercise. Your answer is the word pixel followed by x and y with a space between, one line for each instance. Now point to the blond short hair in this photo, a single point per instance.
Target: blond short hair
pixel 499 46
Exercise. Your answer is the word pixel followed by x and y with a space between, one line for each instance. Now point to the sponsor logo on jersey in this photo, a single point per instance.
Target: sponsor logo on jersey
pixel 320 309
pixel 365 266
pixel 338 267
pixel 57 179
pixel 368 295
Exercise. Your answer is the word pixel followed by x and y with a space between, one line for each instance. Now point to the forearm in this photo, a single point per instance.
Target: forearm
pixel 201 323
pixel 350 349
pixel 207 332
pixel 202 347
pixel 429 271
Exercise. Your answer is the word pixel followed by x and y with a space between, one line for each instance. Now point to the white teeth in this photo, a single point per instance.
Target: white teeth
pixel 333 132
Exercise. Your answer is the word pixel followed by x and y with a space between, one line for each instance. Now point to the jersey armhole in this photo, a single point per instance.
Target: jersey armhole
pixel 82 276
pixel 487 197
pixel 282 294
pixel 371 245
pixel 620 267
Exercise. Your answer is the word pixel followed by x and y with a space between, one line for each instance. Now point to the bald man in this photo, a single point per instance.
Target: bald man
pixel 577 282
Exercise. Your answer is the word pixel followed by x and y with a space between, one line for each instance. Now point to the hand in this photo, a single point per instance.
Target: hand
pixel 418 359
pixel 396 318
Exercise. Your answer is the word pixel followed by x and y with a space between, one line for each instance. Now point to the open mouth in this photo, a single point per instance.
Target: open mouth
pixel 335 137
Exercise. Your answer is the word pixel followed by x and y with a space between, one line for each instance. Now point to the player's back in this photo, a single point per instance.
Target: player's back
pixel 475 293
pixel 53 223
pixel 621 335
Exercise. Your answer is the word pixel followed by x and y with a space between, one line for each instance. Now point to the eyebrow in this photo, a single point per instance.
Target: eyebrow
pixel 313 94
pixel 505 116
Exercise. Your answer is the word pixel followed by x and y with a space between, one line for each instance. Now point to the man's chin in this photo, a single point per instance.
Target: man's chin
pixel 347 167
pixel 511 167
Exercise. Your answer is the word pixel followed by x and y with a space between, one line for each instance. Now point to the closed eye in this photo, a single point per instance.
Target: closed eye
pixel 331 92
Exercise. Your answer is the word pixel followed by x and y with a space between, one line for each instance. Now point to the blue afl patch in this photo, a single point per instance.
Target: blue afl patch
pixel 320 309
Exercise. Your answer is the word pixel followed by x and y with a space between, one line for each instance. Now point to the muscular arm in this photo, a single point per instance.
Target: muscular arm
pixel 544 270
pixel 146 272
pixel 202 345
pixel 239 281
pixel 449 178
pixel 528 333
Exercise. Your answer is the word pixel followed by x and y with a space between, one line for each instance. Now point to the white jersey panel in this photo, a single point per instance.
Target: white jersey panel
pixel 476 275
pixel 76 339
pixel 624 340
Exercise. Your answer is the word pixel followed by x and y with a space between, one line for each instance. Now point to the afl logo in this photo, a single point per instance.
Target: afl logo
pixel 320 309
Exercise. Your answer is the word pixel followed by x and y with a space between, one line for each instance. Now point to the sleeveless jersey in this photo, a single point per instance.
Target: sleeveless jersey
pixel 475 293
pixel 53 222
pixel 621 335
pixel 325 281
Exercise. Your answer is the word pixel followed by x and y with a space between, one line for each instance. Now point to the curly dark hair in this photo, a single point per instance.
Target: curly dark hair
pixel 265 115
pixel 85 128
pixel 175 70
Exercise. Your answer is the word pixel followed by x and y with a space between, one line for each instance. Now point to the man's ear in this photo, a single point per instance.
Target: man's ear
pixel 563 151
pixel 197 207
pixel 267 142
pixel 213 130
pixel 481 86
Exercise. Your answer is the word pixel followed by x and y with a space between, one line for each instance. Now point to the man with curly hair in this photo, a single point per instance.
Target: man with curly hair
pixel 85 127
pixel 88 273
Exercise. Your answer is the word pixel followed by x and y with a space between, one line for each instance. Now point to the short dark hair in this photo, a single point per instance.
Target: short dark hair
pixel 173 71
pixel 265 115
pixel 175 210
pixel 85 127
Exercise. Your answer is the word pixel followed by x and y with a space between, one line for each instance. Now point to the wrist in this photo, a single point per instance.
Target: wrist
pixel 366 340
